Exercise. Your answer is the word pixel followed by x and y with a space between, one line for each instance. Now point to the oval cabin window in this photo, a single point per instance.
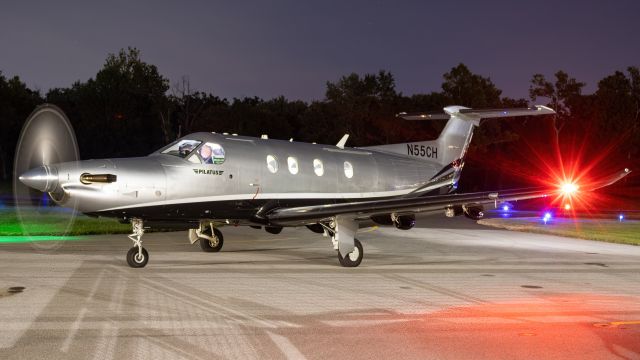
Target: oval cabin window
pixel 348 170
pixel 272 164
pixel 318 167
pixel 293 165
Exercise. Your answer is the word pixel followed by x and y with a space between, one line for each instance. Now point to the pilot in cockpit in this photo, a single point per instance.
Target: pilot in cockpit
pixel 185 149
pixel 206 154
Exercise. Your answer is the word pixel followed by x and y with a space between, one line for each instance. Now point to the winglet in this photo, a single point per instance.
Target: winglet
pixel 609 180
pixel 343 141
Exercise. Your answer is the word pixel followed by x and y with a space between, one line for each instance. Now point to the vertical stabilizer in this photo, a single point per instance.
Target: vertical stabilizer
pixel 449 149
pixel 452 144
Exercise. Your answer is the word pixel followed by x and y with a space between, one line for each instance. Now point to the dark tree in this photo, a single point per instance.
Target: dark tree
pixel 563 95
pixel 361 104
pixel 117 112
pixel 17 101
pixel 618 104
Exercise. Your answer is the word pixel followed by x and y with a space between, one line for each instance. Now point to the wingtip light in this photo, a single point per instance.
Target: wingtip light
pixel 569 188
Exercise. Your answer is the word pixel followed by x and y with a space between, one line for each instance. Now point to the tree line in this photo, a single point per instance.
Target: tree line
pixel 129 109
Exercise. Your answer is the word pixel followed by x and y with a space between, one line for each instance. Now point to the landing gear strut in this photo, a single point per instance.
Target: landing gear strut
pixel 210 238
pixel 137 256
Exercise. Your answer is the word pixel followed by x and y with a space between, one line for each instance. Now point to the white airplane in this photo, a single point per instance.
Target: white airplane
pixel 205 180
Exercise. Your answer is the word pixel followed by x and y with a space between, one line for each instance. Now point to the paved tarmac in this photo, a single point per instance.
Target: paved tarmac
pixel 450 289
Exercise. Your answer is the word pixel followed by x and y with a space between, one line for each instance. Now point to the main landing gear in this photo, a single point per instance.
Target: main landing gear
pixel 210 238
pixel 353 258
pixel 137 256
pixel 342 231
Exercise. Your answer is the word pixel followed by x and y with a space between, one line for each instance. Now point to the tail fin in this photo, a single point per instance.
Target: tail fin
pixel 452 144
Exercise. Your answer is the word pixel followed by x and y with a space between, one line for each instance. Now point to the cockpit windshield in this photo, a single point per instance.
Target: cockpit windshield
pixel 182 148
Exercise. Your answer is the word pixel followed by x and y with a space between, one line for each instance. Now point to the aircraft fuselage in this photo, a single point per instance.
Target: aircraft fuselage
pixel 167 187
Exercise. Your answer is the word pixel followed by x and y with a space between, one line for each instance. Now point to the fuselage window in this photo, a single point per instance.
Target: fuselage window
pixel 212 153
pixel 318 167
pixel 293 165
pixel 348 170
pixel 272 164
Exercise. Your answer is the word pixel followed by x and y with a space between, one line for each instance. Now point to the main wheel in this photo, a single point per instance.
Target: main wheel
pixel 353 258
pixel 135 260
pixel 212 245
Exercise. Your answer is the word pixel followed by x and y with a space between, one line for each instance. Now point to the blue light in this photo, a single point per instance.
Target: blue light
pixel 505 208
pixel 620 217
pixel 547 217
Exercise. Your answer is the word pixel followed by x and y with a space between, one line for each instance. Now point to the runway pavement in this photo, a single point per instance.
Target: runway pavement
pixel 450 289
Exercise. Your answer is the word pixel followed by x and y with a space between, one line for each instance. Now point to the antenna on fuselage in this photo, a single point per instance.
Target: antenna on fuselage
pixel 343 141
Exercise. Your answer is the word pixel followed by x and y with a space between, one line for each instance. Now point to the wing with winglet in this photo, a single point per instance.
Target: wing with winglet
pixel 364 210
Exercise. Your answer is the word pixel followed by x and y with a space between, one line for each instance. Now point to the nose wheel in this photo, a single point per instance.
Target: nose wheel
pixel 137 256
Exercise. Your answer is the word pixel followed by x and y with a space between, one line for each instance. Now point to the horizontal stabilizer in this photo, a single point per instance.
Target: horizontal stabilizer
pixel 477 114
pixel 423 116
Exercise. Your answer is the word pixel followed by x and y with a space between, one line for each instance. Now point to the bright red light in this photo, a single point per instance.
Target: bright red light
pixel 569 188
pixel 569 169
pixel 567 206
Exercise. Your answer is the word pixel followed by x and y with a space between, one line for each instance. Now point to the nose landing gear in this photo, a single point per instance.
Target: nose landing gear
pixel 137 256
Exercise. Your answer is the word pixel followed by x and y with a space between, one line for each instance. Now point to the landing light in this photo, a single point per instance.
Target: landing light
pixel 567 207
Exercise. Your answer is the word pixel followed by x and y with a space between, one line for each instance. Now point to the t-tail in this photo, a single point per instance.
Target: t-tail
pixel 449 149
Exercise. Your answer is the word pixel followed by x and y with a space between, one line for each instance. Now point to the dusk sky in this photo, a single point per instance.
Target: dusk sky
pixel 291 48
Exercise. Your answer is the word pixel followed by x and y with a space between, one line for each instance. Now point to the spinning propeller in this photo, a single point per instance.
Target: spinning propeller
pixel 47 138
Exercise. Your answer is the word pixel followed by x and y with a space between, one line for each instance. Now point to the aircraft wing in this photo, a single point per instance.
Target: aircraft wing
pixel 362 210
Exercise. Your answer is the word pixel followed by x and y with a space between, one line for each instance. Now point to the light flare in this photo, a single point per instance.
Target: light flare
pixel 569 168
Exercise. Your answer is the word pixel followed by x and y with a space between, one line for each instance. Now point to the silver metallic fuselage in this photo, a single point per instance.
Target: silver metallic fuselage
pixel 167 187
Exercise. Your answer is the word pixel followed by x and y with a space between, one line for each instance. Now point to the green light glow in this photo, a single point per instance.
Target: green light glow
pixel 27 239
pixel 51 224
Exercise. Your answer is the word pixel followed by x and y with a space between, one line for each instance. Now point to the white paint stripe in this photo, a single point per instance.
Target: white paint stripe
pixel 288 349
pixel 96 284
pixel 292 195
pixel 74 329
pixel 355 323
pixel 166 325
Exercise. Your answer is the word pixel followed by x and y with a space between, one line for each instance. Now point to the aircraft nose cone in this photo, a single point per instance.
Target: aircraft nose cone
pixel 43 178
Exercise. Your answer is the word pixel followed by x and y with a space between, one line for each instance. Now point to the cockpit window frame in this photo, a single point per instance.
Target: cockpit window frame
pixel 173 149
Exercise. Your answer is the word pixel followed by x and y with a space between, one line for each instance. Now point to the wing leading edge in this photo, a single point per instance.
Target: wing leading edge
pixel 364 209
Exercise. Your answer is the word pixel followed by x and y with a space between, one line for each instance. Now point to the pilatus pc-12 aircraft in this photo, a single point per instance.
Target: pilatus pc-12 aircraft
pixel 205 180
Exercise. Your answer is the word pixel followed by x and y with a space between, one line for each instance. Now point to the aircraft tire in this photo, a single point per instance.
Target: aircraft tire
pixel 354 258
pixel 134 261
pixel 208 246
